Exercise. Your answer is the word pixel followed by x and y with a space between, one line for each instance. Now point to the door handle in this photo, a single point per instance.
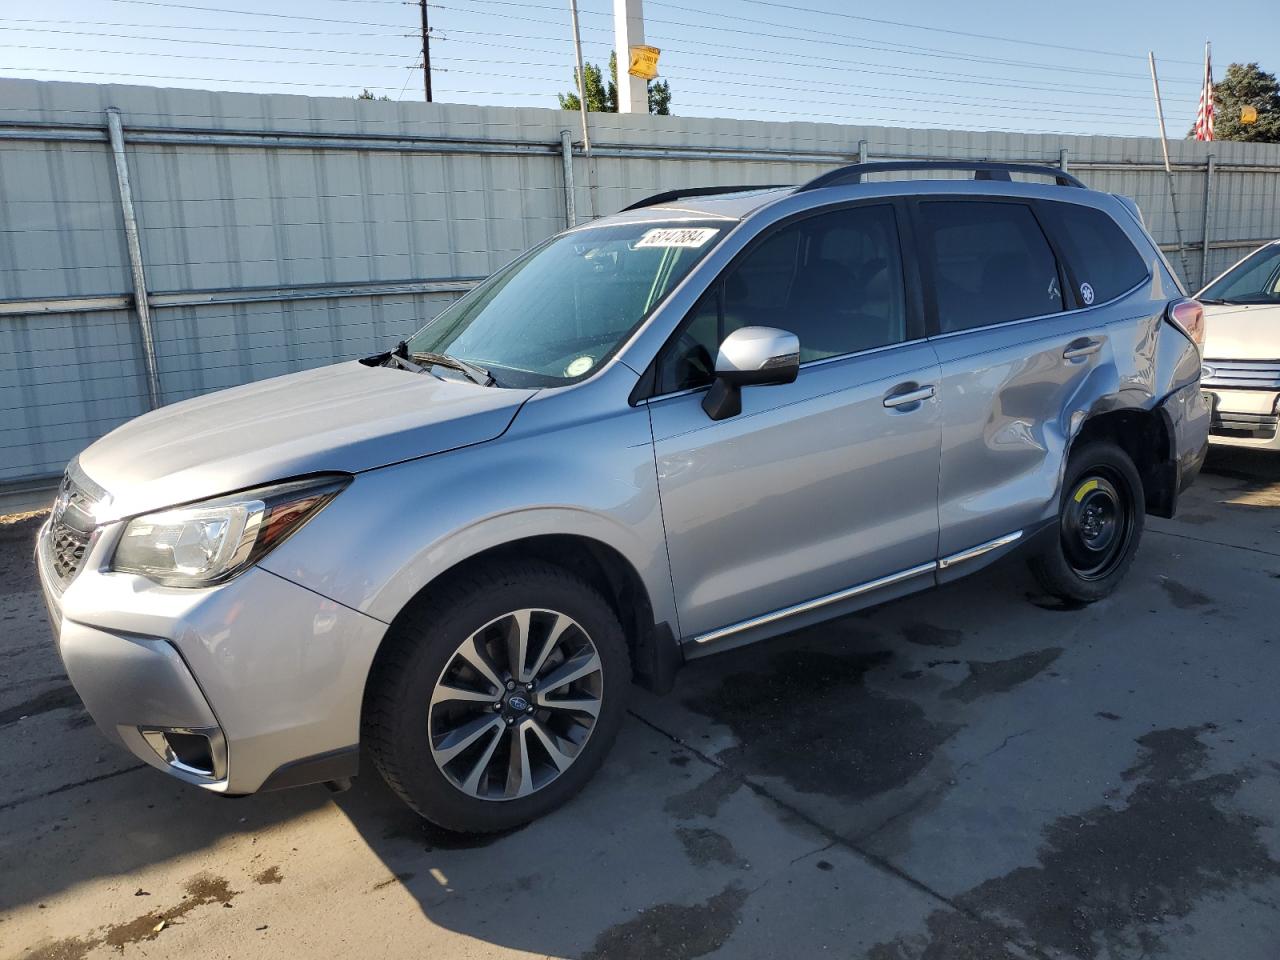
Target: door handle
pixel 1084 347
pixel 915 395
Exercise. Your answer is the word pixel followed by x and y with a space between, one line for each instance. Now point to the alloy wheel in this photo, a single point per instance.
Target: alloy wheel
pixel 515 704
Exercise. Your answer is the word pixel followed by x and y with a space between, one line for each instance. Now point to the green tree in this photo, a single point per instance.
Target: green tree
pixel 366 95
pixel 602 97
pixel 1246 85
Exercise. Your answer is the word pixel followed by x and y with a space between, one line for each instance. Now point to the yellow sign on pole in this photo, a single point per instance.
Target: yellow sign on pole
pixel 1248 114
pixel 644 61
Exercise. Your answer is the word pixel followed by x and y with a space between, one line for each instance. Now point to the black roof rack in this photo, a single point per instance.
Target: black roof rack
pixel 982 170
pixel 669 195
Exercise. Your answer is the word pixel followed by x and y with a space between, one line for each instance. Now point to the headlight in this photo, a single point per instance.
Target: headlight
pixel 206 543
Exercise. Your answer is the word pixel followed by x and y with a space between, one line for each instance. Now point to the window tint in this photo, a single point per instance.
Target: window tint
pixel 834 280
pixel 991 263
pixel 1103 260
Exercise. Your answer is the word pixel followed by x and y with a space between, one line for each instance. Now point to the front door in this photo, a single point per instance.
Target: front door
pixel 819 485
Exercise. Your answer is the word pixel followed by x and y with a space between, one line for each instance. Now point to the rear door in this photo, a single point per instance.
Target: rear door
pixel 1016 345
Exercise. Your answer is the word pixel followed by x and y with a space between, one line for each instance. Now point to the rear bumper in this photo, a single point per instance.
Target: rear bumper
pixel 226 687
pixel 1186 414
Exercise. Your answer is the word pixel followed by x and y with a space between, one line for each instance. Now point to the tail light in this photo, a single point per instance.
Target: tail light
pixel 1188 316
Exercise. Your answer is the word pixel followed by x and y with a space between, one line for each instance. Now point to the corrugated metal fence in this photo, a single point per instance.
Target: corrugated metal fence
pixel 275 233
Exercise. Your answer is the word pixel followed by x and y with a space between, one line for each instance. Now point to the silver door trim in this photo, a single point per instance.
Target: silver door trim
pixel 817 602
pixel 979 550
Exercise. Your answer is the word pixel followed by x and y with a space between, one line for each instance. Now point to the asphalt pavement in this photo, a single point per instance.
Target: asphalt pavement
pixel 975 772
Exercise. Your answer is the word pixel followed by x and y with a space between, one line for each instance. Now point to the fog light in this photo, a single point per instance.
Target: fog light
pixel 196 751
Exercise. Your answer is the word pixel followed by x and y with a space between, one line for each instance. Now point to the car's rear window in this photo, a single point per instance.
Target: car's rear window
pixel 1104 262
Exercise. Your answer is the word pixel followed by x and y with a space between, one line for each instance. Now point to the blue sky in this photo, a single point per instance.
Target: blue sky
pixel 1076 67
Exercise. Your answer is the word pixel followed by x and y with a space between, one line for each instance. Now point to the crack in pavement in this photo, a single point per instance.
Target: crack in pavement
pixel 9 805
pixel 853 845
pixel 1213 543
pixel 813 853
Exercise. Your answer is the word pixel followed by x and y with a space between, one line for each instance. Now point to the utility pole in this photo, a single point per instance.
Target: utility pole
pixel 1168 167
pixel 582 77
pixel 426 51
pixel 628 31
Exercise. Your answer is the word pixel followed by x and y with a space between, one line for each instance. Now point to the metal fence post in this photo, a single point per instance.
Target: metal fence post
pixel 863 153
pixel 1062 160
pixel 1208 220
pixel 115 131
pixel 566 157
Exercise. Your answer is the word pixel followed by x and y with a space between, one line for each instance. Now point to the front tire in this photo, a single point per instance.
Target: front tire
pixel 498 697
pixel 1100 522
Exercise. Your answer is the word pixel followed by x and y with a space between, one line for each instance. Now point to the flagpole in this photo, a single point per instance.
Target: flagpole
pixel 1168 168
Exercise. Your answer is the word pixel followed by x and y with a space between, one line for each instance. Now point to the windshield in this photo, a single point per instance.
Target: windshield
pixel 554 315
pixel 1255 279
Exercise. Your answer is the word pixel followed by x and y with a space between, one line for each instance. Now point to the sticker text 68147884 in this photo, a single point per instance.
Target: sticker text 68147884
pixel 677 237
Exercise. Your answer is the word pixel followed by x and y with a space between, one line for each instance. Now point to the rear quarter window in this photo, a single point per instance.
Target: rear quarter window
pixel 1102 260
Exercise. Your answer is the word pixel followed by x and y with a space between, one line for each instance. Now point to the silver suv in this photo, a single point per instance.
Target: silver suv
pixel 713 417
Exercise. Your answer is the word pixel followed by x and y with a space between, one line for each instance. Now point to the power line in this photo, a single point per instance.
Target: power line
pixel 842 61
pixel 184 56
pixel 167 4
pixel 160 76
pixel 844 89
pixel 184 26
pixel 827 40
pixel 835 64
pixel 792 8
pixel 215 43
pixel 799 89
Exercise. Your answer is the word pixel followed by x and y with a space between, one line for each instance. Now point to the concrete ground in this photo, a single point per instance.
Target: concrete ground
pixel 976 772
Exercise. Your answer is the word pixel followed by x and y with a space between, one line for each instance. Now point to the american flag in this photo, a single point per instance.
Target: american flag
pixel 1204 116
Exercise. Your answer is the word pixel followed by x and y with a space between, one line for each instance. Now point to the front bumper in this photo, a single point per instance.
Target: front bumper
pixel 222 687
pixel 1245 418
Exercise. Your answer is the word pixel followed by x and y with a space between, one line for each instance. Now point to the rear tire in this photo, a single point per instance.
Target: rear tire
pixel 1100 522
pixel 475 743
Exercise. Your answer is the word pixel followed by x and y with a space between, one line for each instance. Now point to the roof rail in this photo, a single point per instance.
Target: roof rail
pixel 658 198
pixel 982 170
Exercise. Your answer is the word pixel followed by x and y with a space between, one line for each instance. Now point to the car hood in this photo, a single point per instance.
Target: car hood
pixel 1245 331
pixel 347 417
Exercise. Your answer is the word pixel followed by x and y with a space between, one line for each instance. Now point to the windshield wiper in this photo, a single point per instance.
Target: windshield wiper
pixel 468 369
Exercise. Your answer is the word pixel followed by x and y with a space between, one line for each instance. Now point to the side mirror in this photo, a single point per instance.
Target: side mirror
pixel 752 356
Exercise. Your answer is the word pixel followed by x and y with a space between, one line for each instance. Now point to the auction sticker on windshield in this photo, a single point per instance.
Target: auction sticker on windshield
pixel 677 237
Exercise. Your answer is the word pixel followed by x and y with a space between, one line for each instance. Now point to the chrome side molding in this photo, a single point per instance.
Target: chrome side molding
pixel 862 588
pixel 817 602
pixel 979 550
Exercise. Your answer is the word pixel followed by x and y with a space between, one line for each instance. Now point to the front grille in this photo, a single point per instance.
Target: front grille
pixel 1241 374
pixel 72 523
pixel 67 547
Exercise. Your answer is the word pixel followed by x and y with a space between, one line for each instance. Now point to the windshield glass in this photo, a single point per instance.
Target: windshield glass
pixel 1255 279
pixel 554 315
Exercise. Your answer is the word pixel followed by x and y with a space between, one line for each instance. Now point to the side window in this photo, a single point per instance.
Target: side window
pixel 834 280
pixel 990 263
pixel 1103 260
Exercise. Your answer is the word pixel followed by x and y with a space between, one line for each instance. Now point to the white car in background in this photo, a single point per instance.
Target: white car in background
pixel 1241 374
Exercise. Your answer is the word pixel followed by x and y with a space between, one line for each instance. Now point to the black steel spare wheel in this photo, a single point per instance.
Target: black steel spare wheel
pixel 1097 524
pixel 1100 521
